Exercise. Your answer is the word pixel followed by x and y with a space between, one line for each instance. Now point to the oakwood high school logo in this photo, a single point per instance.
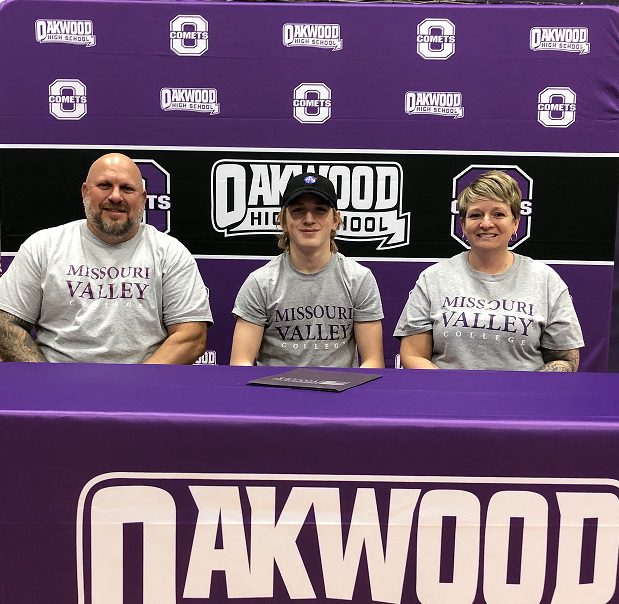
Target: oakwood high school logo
pixel 562 39
pixel 65 31
pixel 67 99
pixel 525 182
pixel 246 198
pixel 208 358
pixel 201 100
pixel 313 35
pixel 394 539
pixel 446 104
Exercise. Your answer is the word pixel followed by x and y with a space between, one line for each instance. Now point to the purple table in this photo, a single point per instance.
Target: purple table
pixel 399 104
pixel 175 484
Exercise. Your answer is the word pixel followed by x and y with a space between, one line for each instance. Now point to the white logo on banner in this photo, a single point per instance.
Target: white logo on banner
pixel 394 544
pixel 67 99
pixel 203 100
pixel 448 104
pixel 65 31
pixel 189 35
pixel 564 39
pixel 314 35
pixel 436 39
pixel 156 182
pixel 556 107
pixel 312 103
pixel 208 358
pixel 245 198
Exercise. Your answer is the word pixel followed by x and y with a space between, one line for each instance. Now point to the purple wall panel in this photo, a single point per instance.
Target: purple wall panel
pixel 386 52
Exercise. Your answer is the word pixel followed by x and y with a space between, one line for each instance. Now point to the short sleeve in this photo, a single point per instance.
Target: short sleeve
pixel 250 303
pixel 21 285
pixel 562 330
pixel 185 297
pixel 368 305
pixel 416 315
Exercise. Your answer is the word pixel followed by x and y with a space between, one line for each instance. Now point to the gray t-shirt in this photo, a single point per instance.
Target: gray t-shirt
pixel 482 321
pixel 97 303
pixel 309 318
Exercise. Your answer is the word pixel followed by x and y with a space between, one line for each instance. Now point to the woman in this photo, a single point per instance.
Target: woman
pixel 309 305
pixel 489 308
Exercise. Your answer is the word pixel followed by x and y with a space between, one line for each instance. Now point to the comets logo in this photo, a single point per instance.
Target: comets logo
pixel 67 99
pixel 436 39
pixel 246 198
pixel 313 35
pixel 563 39
pixel 525 182
pixel 556 107
pixel 189 35
pixel 448 104
pixel 311 103
pixel 158 203
pixel 64 31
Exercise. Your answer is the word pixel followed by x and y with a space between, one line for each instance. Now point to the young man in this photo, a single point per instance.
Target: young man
pixel 309 305
pixel 107 289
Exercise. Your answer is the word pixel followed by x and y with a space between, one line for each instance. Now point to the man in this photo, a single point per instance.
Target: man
pixel 107 289
pixel 310 305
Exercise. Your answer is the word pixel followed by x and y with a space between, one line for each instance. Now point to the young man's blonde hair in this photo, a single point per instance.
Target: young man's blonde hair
pixel 494 184
pixel 283 241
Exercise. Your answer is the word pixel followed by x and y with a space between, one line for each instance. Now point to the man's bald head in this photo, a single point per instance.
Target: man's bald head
pixel 114 198
pixel 114 161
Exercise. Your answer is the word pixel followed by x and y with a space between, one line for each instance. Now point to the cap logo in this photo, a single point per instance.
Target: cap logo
pixel 310 180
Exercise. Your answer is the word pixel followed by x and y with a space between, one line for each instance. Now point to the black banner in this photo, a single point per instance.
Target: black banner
pixel 225 203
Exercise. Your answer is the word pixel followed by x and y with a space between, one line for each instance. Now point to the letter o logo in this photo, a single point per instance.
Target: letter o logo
pixel 73 110
pixel 312 113
pixel 195 46
pixel 556 119
pixel 438 50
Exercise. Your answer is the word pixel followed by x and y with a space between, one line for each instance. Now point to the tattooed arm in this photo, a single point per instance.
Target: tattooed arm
pixel 560 360
pixel 15 341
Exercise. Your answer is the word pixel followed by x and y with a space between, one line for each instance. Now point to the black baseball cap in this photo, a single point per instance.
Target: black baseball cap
pixel 310 183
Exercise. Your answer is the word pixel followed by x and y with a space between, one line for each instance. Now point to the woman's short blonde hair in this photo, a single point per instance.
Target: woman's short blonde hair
pixel 494 184
pixel 283 241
